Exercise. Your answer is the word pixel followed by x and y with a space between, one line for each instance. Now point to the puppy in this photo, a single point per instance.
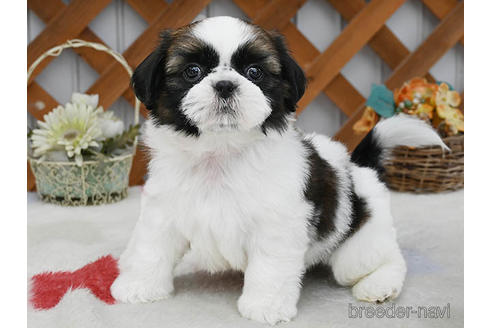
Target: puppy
pixel 233 185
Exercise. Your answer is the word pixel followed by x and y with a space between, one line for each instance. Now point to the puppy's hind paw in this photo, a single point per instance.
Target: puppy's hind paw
pixel 131 288
pixel 265 312
pixel 376 288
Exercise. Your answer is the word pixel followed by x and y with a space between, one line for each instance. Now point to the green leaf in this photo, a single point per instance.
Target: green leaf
pixel 122 141
pixel 381 100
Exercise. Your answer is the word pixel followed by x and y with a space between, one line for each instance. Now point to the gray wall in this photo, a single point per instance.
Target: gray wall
pixel 118 25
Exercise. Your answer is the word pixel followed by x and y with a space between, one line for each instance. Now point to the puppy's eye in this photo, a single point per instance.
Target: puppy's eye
pixel 254 73
pixel 192 73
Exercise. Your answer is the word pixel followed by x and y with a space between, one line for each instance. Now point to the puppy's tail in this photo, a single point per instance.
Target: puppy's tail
pixel 399 130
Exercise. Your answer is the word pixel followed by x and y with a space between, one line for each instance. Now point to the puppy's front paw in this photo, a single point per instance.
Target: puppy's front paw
pixel 140 288
pixel 266 312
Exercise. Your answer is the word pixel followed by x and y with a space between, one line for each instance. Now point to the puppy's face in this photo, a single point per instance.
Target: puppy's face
pixel 220 74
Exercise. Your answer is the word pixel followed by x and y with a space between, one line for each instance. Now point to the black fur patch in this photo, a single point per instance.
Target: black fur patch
pixel 162 93
pixel 322 191
pixel 175 88
pixel 360 212
pixel 369 154
pixel 292 73
pixel 283 88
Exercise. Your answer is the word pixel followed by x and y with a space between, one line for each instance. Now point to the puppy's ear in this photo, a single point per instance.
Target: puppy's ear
pixel 147 78
pixel 291 72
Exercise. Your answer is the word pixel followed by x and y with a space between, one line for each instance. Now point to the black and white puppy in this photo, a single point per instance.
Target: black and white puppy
pixel 233 185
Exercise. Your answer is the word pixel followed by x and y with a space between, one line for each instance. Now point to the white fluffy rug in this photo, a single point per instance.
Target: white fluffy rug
pixel 430 229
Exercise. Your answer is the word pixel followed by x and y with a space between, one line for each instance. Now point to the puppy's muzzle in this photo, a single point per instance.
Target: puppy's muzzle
pixel 225 88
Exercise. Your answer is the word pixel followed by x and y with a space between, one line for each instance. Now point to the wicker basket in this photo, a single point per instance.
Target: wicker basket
pixel 94 182
pixel 428 169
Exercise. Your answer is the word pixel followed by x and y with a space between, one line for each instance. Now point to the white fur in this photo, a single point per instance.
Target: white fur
pixel 405 130
pixel 232 201
pixel 233 198
pixel 225 33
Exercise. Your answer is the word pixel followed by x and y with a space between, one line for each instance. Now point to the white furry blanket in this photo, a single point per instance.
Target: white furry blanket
pixel 430 230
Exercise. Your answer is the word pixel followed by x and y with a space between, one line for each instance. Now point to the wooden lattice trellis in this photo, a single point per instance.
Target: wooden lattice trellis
pixel 366 25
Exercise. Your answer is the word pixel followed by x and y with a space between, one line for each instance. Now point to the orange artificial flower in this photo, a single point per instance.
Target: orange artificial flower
pixel 424 111
pixel 446 103
pixel 366 122
pixel 415 87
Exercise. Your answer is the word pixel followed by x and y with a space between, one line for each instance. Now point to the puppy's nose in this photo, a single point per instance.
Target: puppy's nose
pixel 225 88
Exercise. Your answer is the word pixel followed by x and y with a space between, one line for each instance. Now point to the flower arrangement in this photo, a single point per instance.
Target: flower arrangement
pixel 80 131
pixel 436 103
pixel 80 154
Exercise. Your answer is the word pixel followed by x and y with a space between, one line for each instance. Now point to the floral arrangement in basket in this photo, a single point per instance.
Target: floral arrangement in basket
pixel 80 131
pixel 80 154
pixel 436 103
pixel 425 169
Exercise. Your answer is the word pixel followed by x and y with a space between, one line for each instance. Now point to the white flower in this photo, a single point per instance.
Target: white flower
pixel 80 125
pixel 72 129
pixel 110 125
pixel 83 99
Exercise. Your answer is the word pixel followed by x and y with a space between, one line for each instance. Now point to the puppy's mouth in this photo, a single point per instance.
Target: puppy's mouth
pixel 226 117
pixel 227 106
pixel 227 112
pixel 223 127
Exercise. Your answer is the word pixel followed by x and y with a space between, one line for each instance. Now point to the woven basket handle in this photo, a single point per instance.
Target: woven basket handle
pixel 77 43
